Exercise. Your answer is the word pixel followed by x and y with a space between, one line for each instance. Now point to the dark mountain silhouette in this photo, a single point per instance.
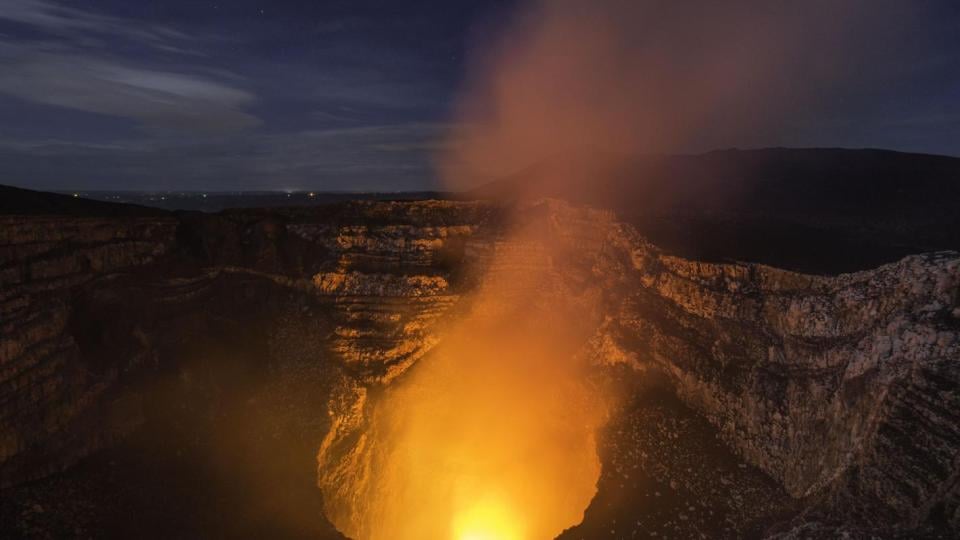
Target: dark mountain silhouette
pixel 817 210
pixel 18 201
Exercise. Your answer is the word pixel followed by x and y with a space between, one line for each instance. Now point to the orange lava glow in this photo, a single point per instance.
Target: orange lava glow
pixel 488 519
pixel 492 436
pixel 487 440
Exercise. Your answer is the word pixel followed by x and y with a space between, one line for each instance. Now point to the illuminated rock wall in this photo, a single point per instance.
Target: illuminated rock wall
pixel 839 387
pixel 89 303
pixel 845 385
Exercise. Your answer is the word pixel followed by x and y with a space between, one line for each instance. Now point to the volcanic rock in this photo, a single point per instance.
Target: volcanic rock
pixel 837 395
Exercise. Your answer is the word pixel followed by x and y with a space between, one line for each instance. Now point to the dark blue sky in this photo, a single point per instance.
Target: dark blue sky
pixel 336 95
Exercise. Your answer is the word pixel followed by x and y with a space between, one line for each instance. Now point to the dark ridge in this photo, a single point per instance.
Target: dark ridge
pixel 818 210
pixel 18 201
pixel 809 180
pixel 216 201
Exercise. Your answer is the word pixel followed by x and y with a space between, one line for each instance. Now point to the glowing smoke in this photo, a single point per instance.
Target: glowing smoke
pixel 493 435
pixel 607 79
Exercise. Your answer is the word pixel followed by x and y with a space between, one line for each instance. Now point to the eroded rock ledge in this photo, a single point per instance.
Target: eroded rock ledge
pixel 843 389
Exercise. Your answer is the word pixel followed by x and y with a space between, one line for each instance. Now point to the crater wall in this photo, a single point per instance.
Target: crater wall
pixel 843 389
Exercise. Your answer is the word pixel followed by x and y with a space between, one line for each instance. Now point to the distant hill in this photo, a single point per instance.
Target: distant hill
pixel 17 201
pixel 25 201
pixel 817 181
pixel 812 210
pixel 817 210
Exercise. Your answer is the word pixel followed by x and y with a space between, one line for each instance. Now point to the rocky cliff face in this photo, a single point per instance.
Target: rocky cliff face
pixel 90 305
pixel 842 389
pixel 845 385
pixel 837 387
pixel 48 388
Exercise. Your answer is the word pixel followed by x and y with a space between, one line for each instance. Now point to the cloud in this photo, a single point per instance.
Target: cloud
pixel 73 67
pixel 373 158
pixel 158 100
pixel 58 19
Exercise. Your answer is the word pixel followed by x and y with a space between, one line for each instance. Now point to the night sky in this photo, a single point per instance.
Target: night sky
pixel 331 95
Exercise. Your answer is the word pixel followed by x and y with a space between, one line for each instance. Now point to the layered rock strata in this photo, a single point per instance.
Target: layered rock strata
pixel 89 306
pixel 843 389
pixel 837 387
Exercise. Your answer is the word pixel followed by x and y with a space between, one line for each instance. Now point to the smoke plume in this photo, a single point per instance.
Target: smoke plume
pixel 613 78
pixel 494 434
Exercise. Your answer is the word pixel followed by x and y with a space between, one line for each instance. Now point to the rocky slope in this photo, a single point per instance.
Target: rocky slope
pixel 817 210
pixel 843 385
pixel 48 387
pixel 90 304
pixel 839 388
pixel 843 390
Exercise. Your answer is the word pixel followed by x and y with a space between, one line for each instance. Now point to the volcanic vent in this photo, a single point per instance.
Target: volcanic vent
pixel 526 366
pixel 494 429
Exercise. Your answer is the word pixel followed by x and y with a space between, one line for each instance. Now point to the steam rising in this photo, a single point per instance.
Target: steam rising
pixel 612 78
pixel 493 435
pixel 481 450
